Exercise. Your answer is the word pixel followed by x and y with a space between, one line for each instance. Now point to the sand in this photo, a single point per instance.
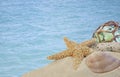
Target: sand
pixel 64 68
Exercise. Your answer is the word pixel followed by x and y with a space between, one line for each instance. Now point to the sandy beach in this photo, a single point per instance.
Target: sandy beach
pixel 64 68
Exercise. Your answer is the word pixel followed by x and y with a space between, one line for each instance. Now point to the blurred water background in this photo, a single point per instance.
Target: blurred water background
pixel 30 30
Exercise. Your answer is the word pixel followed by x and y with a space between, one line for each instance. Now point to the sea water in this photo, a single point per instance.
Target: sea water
pixel 30 30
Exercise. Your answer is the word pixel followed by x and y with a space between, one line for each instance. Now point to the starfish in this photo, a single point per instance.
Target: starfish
pixel 75 50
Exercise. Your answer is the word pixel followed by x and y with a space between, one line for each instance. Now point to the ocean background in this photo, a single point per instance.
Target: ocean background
pixel 30 30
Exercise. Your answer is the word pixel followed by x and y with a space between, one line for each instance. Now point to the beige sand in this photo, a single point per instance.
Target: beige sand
pixel 64 68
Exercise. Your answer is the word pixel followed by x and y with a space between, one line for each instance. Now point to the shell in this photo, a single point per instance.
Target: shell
pixel 109 46
pixel 108 32
pixel 101 62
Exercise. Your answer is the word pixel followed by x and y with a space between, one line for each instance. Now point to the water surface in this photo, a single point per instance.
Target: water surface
pixel 30 30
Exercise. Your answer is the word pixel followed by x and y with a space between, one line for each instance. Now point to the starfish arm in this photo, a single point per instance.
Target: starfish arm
pixel 87 50
pixel 77 61
pixel 89 43
pixel 78 57
pixel 60 55
pixel 69 44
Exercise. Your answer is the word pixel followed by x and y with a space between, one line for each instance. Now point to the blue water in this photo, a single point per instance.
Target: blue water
pixel 30 30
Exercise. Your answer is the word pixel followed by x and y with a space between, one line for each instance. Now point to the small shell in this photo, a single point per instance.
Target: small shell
pixel 101 62
pixel 111 47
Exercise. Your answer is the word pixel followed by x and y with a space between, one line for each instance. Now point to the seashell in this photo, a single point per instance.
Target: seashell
pixel 101 62
pixel 110 46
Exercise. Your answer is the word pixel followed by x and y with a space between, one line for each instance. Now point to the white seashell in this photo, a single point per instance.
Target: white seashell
pixel 101 62
pixel 110 46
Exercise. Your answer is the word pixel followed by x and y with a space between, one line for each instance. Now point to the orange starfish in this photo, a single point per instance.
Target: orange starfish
pixel 77 51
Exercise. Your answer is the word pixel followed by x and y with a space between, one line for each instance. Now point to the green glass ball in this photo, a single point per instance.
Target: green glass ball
pixel 108 32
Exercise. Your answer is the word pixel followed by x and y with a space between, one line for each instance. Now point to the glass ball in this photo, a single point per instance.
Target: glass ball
pixel 108 32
